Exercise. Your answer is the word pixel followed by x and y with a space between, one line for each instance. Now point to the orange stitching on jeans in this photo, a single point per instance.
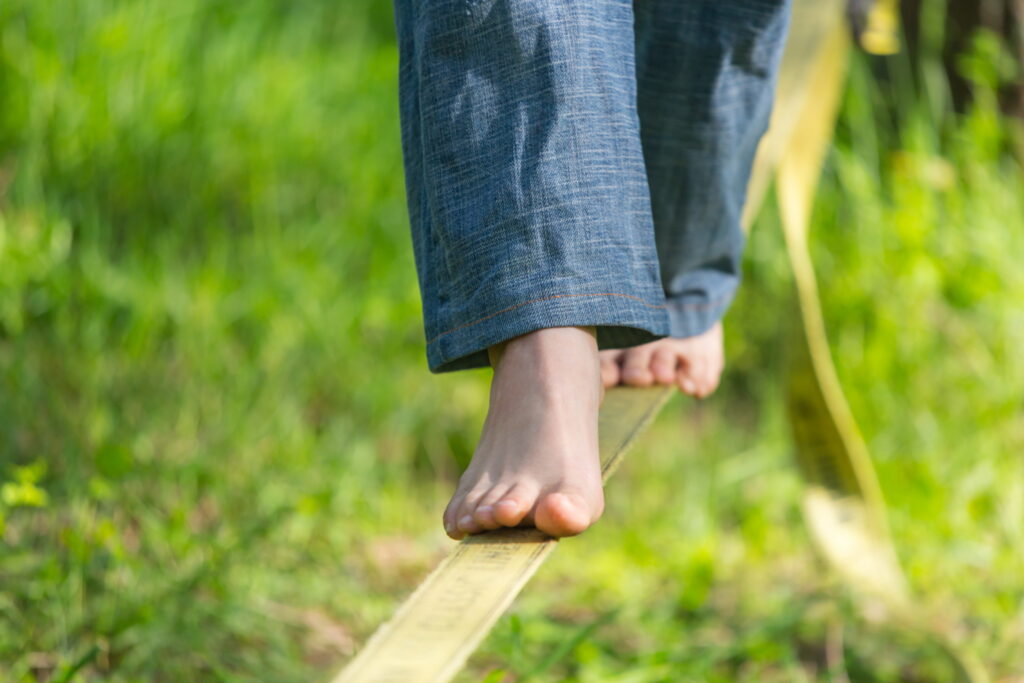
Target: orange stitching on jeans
pixel 533 301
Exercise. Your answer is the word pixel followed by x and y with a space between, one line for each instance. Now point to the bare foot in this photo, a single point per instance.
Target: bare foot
pixel 537 461
pixel 693 363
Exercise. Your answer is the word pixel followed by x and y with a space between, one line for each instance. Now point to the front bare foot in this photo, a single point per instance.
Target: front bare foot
pixel 693 363
pixel 537 460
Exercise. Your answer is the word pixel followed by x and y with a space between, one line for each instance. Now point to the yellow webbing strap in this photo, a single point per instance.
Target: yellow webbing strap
pixel 846 510
pixel 880 35
pixel 442 623
pixel 842 502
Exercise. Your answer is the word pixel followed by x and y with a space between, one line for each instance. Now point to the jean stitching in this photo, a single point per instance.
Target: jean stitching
pixel 533 301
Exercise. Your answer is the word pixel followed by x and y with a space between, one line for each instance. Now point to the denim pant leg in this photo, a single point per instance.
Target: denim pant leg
pixel 705 77
pixel 527 192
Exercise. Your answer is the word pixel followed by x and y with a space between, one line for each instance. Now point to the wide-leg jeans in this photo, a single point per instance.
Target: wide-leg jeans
pixel 579 162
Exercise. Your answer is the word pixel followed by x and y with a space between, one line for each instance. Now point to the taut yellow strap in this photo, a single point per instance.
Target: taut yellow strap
pixel 442 623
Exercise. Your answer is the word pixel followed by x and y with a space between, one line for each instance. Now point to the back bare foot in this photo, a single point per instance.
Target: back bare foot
pixel 537 460
pixel 693 363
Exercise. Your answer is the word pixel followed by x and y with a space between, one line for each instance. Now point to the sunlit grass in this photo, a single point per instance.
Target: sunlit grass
pixel 221 453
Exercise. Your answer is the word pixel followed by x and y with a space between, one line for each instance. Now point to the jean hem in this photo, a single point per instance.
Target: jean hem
pixel 620 320
pixel 689 318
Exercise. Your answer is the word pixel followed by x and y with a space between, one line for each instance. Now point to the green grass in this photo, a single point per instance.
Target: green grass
pixel 221 455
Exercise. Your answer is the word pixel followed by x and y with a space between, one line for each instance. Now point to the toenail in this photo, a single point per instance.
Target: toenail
pixel 466 521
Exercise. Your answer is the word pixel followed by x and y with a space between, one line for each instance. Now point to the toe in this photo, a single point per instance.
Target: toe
pixel 610 372
pixel 467 524
pixel 663 366
pixel 636 366
pixel 513 507
pixel 715 360
pixel 708 380
pixel 715 368
pixel 714 379
pixel 484 512
pixel 564 513
pixel 686 381
pixel 450 519
pixel 465 519
pixel 704 376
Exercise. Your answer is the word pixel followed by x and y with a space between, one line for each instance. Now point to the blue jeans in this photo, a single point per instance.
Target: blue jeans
pixel 579 163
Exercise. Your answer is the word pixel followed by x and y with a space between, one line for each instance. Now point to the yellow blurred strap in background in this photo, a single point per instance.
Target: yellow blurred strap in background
pixel 842 501
pixel 875 24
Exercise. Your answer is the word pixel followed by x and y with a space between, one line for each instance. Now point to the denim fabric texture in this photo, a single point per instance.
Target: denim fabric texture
pixel 579 162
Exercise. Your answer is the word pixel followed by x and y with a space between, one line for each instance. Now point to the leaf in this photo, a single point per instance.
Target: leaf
pixel 23 494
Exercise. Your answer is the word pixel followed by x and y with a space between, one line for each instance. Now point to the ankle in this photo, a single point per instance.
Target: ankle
pixel 548 341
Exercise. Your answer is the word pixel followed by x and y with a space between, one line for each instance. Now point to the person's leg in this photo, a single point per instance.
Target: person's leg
pixel 532 233
pixel 527 192
pixel 706 78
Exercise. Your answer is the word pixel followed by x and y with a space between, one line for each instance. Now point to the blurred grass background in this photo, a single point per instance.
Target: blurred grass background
pixel 222 457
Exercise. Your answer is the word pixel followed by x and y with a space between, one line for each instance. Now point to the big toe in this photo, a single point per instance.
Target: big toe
pixel 564 514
